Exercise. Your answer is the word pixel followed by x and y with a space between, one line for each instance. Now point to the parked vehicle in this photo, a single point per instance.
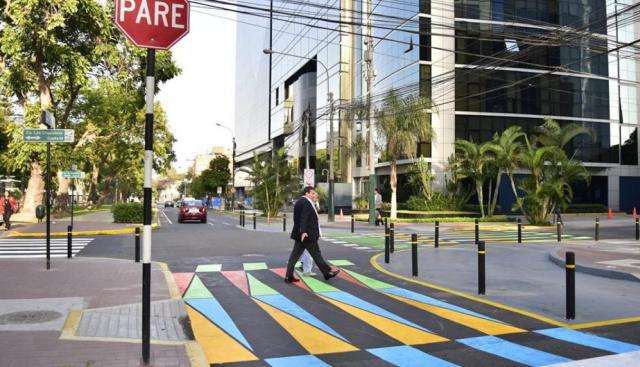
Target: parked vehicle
pixel 168 204
pixel 192 210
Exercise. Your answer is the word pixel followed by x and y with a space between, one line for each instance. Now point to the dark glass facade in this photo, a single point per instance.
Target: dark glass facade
pixel 603 147
pixel 484 44
pixel 576 13
pixel 528 93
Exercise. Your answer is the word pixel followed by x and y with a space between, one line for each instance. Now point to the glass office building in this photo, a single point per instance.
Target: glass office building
pixel 485 64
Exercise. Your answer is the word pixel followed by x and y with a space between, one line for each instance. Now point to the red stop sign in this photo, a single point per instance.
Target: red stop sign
pixel 153 23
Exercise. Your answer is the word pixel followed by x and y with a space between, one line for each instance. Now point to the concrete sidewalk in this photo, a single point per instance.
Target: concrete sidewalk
pixel 86 312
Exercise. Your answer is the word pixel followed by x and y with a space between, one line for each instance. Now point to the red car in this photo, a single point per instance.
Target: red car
pixel 192 210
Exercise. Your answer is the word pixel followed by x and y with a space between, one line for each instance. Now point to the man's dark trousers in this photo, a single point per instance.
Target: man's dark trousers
pixel 314 251
pixel 6 217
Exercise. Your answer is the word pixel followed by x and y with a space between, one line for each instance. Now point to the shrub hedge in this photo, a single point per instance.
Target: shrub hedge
pixel 128 213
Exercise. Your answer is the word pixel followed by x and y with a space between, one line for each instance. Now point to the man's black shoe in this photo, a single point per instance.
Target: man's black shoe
pixel 331 274
pixel 291 280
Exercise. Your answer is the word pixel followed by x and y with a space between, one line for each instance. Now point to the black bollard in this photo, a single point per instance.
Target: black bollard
pixel 414 254
pixel 137 249
pixel 353 223
pixel 69 239
pixel 477 227
pixel 240 218
pixel 386 245
pixel 637 229
pixel 284 222
pixel 386 224
pixel 254 221
pixel 570 264
pixel 481 267
pixel 437 234
pixel 559 232
pixel 597 236
pixel 519 230
pixel 392 237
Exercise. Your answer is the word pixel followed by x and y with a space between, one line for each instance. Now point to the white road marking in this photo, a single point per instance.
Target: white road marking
pixel 211 224
pixel 349 244
pixel 165 215
pixel 362 248
pixel 226 224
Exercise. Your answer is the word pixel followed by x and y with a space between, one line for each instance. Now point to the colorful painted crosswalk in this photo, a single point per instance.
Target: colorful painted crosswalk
pixel 357 317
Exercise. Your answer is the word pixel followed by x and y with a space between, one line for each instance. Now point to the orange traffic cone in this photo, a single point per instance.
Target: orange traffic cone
pixel 635 213
pixel 610 215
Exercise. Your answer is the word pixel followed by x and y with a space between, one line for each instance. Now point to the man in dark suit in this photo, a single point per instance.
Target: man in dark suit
pixel 305 234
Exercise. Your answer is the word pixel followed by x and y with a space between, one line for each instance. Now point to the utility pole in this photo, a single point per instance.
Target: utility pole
pixel 368 59
pixel 331 215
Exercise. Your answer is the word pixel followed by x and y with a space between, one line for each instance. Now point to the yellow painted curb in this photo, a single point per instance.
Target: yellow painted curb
pixel 589 325
pixel 193 348
pixel 80 233
pixel 71 324
pixel 196 355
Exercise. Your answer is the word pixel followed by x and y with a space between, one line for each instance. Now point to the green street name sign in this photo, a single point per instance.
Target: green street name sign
pixel 48 135
pixel 72 174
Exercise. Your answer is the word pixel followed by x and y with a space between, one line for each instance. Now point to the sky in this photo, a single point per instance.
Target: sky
pixel 204 93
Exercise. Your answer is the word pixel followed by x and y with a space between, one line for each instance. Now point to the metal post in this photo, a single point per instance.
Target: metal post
pixel 570 264
pixel 69 240
pixel 254 221
pixel 597 235
pixel 392 237
pixel 477 230
pixel 284 222
pixel 368 59
pixel 519 230
pixel 437 234
pixel 146 234
pixel 386 224
pixel 331 216
pixel 414 254
pixel 240 218
pixel 386 246
pixel 137 245
pixel 353 221
pixel 73 187
pixel 559 232
pixel 481 267
pixel 637 229
pixel 48 198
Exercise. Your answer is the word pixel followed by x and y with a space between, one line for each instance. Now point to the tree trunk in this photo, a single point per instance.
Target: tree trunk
pixel 62 201
pixel 480 197
pixel 34 195
pixel 495 194
pixel 515 192
pixel 95 173
pixel 394 184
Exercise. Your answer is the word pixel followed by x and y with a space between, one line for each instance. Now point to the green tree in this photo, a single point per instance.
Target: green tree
pixel 63 53
pixel 400 124
pixel 505 151
pixel 472 164
pixel 273 179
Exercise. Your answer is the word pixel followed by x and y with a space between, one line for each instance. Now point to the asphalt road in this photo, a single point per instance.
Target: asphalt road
pixel 244 314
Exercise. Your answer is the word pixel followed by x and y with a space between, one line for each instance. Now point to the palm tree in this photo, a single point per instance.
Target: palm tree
pixel 401 123
pixel 472 164
pixel 505 150
pixel 553 135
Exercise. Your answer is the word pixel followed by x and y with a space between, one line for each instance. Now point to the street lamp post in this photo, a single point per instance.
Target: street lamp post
pixel 233 162
pixel 331 214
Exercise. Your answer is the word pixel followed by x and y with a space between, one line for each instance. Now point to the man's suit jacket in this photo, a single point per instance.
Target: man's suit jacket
pixel 305 220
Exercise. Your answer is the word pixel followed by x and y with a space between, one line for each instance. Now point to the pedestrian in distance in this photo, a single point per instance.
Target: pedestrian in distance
pixel 558 213
pixel 377 200
pixel 305 234
pixel 7 206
